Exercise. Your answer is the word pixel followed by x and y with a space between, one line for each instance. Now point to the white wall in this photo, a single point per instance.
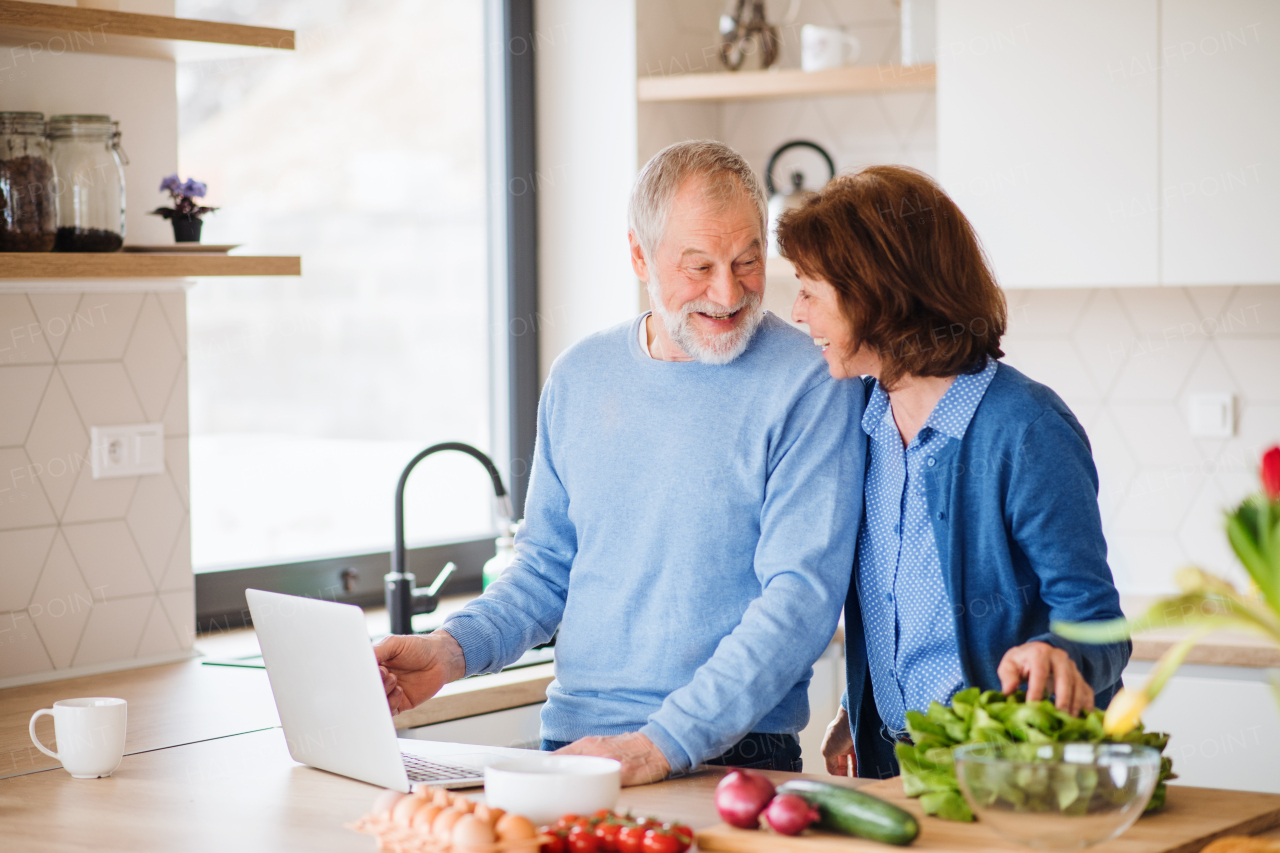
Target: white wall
pixel 586 163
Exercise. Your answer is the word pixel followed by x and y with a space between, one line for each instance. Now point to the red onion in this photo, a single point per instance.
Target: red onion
pixel 741 796
pixel 789 814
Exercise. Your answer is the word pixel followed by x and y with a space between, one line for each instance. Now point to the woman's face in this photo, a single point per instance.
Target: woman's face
pixel 818 307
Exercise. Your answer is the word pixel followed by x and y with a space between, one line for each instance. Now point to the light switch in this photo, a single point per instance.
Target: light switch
pixel 128 450
pixel 1213 415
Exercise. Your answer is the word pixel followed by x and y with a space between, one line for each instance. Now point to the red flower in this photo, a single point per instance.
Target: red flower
pixel 1271 473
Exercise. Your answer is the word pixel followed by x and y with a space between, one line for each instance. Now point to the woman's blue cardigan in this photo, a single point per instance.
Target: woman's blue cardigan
pixel 1014 508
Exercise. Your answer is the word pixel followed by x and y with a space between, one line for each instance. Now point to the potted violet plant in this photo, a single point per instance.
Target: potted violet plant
pixel 185 213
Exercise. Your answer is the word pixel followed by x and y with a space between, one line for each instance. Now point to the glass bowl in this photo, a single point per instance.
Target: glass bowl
pixel 1057 796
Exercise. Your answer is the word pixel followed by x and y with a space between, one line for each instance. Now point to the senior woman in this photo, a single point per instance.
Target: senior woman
pixel 980 523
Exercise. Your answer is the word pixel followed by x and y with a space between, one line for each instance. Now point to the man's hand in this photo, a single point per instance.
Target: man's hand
pixel 1039 665
pixel 837 747
pixel 642 762
pixel 415 667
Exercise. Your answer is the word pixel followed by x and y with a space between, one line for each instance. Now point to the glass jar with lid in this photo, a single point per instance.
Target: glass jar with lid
pixel 88 162
pixel 28 207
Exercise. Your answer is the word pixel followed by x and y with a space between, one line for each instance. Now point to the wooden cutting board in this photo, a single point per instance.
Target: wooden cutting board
pixel 1192 817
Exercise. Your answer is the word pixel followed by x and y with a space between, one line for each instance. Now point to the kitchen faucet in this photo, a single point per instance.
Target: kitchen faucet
pixel 404 598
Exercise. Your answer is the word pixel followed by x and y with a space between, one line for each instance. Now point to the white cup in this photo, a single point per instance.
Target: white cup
pixel 90 735
pixel 826 47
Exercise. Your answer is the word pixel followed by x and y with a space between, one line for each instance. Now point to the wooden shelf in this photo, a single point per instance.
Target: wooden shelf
pixel 761 85
pixel 42 27
pixel 64 265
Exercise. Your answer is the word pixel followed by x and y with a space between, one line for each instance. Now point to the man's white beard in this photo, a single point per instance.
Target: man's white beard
pixel 716 348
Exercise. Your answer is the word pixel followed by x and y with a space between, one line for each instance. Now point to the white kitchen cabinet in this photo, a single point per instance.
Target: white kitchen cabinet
pixel 1047 136
pixel 1220 140
pixel 1224 725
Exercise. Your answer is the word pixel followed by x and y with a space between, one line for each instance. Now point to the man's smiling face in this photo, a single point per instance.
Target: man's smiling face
pixel 706 281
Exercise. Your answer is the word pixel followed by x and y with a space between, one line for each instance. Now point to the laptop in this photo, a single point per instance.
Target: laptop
pixel 332 705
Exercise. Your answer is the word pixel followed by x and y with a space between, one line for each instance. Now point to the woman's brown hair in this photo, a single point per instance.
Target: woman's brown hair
pixel 910 276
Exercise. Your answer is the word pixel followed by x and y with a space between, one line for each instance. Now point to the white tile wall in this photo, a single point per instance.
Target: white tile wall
pixel 1126 362
pixel 93 573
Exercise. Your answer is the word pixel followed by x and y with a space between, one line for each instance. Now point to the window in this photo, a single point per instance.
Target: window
pixel 365 153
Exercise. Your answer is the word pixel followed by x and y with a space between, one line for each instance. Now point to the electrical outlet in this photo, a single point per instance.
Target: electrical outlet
pixel 1213 415
pixel 127 451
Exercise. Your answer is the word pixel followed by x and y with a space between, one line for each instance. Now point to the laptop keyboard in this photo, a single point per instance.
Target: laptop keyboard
pixel 422 770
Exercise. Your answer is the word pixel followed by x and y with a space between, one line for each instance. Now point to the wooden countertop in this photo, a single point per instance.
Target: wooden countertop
pixel 188 702
pixel 1224 648
pixel 245 793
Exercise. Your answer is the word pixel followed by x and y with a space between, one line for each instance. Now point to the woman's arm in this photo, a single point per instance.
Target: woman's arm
pixel 1052 509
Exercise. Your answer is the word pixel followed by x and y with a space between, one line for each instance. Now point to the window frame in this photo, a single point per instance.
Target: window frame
pixel 514 385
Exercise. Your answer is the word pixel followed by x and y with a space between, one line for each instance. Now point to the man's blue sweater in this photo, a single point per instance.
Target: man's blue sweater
pixel 690 528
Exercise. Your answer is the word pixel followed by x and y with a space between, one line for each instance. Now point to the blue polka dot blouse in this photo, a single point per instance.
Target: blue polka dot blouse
pixel 912 654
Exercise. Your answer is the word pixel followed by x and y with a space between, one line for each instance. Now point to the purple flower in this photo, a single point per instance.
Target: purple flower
pixel 193 189
pixel 171 183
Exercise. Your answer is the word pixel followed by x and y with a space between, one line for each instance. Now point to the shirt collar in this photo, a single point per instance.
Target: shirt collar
pixel 952 414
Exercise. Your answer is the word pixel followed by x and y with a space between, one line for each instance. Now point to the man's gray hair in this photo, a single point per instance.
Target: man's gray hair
pixel 726 175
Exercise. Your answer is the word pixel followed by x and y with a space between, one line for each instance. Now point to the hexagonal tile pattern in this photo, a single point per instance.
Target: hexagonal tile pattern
pixel 178 576
pixel 98 500
pixel 21 389
pixel 56 313
pixel 157 636
pixel 156 519
pixel 22 555
pixel 58 444
pixel 1053 362
pixel 1156 369
pixel 174 303
pixel 1105 342
pixel 102 393
pixel 177 458
pixel 176 412
pixel 114 630
pixel 180 607
pixel 1202 533
pixel 101 326
pixel 109 559
pixel 22 499
pixel 152 359
pixel 61 604
pixel 1252 361
pixel 1253 312
pixel 1046 313
pixel 22 341
pixel 23 651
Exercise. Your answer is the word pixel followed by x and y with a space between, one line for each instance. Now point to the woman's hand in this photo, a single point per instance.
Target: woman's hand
pixel 837 747
pixel 1039 665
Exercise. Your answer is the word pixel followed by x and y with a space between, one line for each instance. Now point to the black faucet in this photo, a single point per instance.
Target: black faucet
pixel 404 598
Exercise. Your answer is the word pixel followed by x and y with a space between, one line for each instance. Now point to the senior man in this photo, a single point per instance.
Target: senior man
pixel 692 508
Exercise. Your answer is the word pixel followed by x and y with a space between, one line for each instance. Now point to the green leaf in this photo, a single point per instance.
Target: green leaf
pixel 948 805
pixel 1108 631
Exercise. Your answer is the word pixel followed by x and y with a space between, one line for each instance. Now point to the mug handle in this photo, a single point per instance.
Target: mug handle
pixel 31 727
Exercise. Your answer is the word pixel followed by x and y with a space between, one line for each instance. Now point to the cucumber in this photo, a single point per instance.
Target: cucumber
pixel 851 812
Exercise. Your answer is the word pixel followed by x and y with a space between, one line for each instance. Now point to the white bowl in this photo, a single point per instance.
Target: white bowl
pixel 548 786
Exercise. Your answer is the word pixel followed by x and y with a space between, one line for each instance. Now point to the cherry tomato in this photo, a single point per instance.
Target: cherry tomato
pixel 603 814
pixel 659 841
pixel 683 834
pixel 581 840
pixel 607 836
pixel 566 821
pixel 631 839
pixel 555 845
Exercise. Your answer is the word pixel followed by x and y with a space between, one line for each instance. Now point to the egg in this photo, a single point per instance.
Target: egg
pixel 471 835
pixel 442 826
pixel 425 816
pixel 489 813
pixel 463 804
pixel 385 802
pixel 514 827
pixel 442 798
pixel 404 808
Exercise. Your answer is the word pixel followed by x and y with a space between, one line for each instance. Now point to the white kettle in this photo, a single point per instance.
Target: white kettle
pixel 780 203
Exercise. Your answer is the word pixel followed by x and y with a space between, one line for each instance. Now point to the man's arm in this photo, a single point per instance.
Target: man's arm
pixel 520 610
pixel 808 527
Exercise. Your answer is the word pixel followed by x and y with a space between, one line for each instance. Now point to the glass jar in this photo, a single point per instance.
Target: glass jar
pixel 88 162
pixel 28 207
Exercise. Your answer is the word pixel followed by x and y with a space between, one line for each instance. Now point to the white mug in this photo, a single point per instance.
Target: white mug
pixel 90 735
pixel 824 47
